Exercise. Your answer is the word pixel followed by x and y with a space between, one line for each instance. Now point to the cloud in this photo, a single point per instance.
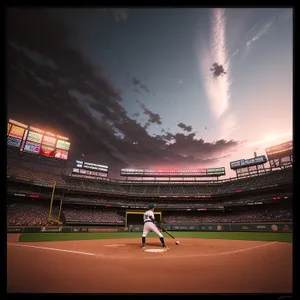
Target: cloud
pixel 153 117
pixel 228 123
pixel 264 29
pixel 189 145
pixel 218 91
pixel 184 127
pixel 287 14
pixel 86 106
pixel 236 52
pixel 121 15
pixel 138 85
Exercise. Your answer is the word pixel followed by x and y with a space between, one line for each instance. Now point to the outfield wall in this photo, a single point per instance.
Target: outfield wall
pixel 57 229
pixel 229 227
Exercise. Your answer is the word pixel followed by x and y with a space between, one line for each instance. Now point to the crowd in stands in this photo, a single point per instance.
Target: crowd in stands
pixel 35 176
pixel 92 215
pixel 186 203
pixel 27 214
pixel 155 189
pixel 254 215
pixel 35 213
pixel 270 178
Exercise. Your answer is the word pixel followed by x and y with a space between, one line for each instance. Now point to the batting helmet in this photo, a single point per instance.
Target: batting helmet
pixel 151 205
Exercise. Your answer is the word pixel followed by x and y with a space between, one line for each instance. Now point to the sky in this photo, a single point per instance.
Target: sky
pixel 132 88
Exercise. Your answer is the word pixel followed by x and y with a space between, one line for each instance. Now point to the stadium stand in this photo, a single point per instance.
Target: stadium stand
pixel 92 215
pixel 119 187
pixel 35 213
pixel 27 214
pixel 265 213
pixel 105 201
pixel 33 175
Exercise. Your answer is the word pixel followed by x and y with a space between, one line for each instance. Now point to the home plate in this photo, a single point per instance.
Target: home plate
pixel 155 250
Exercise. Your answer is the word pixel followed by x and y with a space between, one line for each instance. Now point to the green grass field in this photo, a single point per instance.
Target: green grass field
pixel 254 236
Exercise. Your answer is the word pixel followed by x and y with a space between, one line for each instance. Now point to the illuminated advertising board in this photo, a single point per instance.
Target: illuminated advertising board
pixel 61 154
pixel 34 137
pixel 215 171
pixel 243 163
pixel 88 172
pixel 86 176
pixel 16 131
pixel 280 151
pixel 13 142
pixel 172 173
pixel 64 145
pixel 49 141
pixel 47 151
pixel 32 147
pixel 34 140
pixel 95 167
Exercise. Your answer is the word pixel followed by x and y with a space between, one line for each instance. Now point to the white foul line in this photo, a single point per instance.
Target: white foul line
pixel 226 253
pixel 55 249
pixel 165 256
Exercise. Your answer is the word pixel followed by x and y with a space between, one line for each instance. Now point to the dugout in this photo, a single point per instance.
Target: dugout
pixel 133 217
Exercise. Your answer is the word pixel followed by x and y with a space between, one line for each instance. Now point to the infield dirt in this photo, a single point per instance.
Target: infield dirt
pixel 120 266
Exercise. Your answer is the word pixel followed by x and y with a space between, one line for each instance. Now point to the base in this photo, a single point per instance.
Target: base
pixel 156 250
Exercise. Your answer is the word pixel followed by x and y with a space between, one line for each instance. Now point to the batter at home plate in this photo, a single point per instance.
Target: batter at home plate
pixel 150 225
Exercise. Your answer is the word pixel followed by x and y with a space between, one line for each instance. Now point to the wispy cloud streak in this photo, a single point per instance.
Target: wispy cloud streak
pixel 262 31
pixel 218 91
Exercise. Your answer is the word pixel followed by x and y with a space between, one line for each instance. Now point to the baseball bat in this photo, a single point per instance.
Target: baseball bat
pixel 166 232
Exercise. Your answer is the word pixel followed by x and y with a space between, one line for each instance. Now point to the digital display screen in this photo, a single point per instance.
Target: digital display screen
pixel 32 147
pixel 86 176
pixel 13 142
pixel 49 141
pixel 16 131
pixel 88 172
pixel 34 137
pixel 216 171
pixel 280 151
pixel 172 173
pixel 34 140
pixel 8 127
pixel 62 145
pixel 94 167
pixel 61 154
pixel 243 163
pixel 235 164
pixel 47 151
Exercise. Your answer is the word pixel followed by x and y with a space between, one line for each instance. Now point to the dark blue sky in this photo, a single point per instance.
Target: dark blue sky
pixel 132 87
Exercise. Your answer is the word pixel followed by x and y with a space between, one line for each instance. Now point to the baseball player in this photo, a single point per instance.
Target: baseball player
pixel 149 225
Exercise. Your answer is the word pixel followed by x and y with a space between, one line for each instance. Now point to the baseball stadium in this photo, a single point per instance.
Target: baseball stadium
pixel 63 228
pixel 149 151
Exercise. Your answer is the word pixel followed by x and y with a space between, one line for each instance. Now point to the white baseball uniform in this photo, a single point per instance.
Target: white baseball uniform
pixel 149 225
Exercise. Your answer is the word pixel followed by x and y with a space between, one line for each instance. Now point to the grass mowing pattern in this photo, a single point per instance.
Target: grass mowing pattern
pixel 253 236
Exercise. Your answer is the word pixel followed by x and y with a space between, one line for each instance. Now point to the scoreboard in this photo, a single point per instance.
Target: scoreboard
pixel 209 172
pixel 243 163
pixel 36 141
pixel 280 151
pixel 89 170
pixel 15 133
